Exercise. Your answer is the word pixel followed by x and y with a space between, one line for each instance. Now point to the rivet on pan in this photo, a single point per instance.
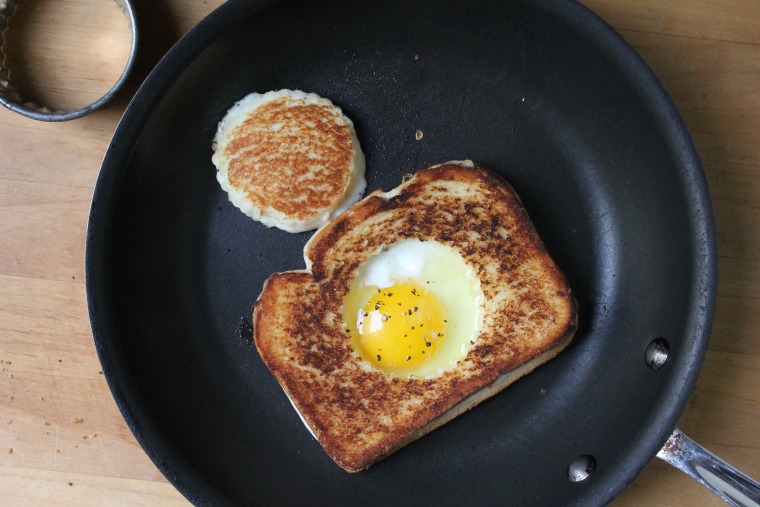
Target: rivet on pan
pixel 580 468
pixel 657 353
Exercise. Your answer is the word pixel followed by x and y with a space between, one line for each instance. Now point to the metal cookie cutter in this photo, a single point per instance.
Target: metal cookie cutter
pixel 10 96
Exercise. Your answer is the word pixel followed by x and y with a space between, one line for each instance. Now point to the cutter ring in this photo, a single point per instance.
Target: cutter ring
pixel 14 100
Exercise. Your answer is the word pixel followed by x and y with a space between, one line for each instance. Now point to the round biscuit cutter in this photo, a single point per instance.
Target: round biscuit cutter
pixel 13 99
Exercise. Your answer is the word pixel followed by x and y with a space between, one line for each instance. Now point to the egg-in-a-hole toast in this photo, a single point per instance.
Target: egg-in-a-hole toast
pixel 337 335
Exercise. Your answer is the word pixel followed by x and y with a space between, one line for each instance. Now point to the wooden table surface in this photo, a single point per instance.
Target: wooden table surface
pixel 62 438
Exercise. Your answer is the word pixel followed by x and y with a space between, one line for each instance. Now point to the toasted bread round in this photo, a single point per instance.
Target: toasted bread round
pixel 289 159
pixel 360 414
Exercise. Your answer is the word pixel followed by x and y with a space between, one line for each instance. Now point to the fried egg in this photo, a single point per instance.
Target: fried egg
pixel 414 309
pixel 289 159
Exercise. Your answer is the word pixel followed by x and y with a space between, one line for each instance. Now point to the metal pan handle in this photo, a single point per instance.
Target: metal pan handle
pixel 712 472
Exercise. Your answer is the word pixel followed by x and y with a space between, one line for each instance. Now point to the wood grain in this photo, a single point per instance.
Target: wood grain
pixel 62 438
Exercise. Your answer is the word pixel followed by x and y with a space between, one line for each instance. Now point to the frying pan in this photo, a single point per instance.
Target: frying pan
pixel 544 93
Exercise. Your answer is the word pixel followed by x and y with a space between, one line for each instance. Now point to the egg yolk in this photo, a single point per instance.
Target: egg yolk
pixel 401 326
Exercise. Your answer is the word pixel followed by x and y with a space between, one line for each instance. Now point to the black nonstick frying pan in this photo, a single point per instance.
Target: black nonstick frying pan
pixel 546 94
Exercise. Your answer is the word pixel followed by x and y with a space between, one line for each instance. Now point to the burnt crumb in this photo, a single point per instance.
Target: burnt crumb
pixel 244 331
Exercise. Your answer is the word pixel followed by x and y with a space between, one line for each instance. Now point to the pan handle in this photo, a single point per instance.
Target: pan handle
pixel 712 472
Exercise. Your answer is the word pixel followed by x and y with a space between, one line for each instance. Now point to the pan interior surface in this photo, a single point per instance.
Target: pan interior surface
pixel 545 94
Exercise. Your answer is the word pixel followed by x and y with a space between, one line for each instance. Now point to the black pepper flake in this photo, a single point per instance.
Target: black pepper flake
pixel 378 358
pixel 427 344
pixel 390 294
pixel 412 328
pixel 366 314
pixel 415 308
pixel 398 304
pixel 414 291
pixel 422 325
pixel 408 358
pixel 472 342
pixel 445 320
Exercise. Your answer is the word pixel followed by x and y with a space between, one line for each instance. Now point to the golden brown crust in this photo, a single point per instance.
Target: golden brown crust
pixel 299 169
pixel 359 414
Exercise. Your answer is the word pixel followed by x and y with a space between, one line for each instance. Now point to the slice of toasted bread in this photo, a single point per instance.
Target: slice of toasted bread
pixel 360 414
